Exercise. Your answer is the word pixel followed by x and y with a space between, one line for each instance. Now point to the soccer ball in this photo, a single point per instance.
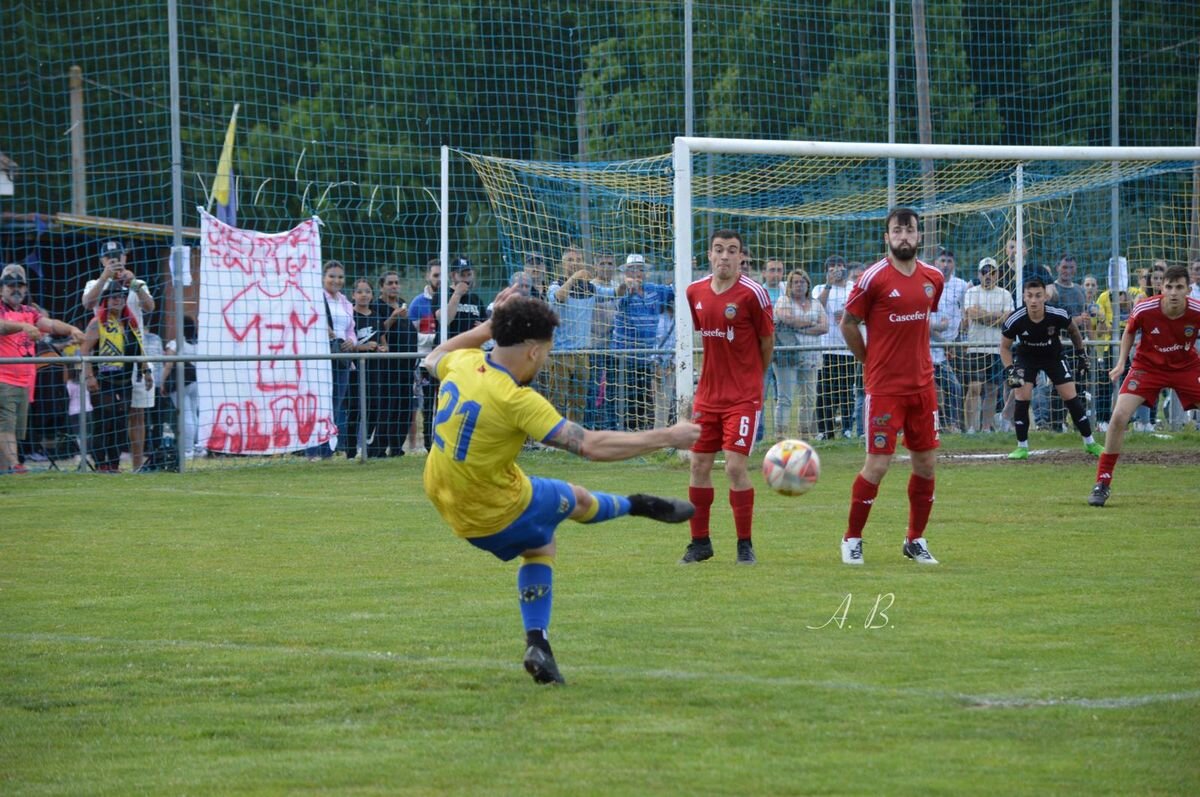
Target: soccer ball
pixel 791 467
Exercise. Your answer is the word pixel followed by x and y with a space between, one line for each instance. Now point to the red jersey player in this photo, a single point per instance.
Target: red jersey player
pixel 1166 357
pixel 732 313
pixel 894 299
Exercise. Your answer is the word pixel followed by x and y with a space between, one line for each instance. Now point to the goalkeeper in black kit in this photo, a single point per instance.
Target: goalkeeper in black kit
pixel 1036 328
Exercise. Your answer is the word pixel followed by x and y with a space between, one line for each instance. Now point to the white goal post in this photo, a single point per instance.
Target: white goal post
pixel 685 211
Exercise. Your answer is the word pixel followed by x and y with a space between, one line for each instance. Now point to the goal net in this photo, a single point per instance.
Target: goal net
pixel 814 211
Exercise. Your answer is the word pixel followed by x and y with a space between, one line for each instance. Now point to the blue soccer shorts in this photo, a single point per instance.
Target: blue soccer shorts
pixel 553 502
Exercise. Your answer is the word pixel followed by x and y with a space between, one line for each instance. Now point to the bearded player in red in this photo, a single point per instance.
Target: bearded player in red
pixel 732 313
pixel 894 299
pixel 1166 357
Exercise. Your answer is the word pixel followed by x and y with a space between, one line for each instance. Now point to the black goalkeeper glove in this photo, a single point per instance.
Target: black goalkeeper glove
pixel 1014 376
pixel 1082 366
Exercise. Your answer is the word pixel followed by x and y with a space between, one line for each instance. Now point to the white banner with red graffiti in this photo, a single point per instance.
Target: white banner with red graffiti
pixel 262 295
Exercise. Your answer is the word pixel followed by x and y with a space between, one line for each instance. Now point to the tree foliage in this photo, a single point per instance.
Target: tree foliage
pixel 345 104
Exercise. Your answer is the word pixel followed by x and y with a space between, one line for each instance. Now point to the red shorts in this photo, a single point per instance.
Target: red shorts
pixel 1148 384
pixel 731 429
pixel 915 415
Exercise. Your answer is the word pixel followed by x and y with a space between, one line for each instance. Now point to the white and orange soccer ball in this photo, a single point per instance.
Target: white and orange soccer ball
pixel 791 467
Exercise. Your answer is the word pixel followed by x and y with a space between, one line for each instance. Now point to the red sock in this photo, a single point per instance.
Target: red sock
pixel 1108 462
pixel 920 504
pixel 742 502
pixel 701 498
pixel 862 495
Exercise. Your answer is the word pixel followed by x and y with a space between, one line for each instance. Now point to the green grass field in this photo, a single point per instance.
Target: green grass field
pixel 302 628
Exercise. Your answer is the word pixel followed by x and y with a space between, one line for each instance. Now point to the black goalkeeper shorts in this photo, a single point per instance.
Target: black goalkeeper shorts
pixel 1056 369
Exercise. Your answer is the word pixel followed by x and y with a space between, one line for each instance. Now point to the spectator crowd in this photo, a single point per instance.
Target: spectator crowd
pixel 612 365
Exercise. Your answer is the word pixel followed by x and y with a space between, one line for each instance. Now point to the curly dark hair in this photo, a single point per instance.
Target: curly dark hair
pixel 522 318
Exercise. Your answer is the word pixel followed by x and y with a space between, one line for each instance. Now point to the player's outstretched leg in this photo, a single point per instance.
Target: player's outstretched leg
pixel 664 510
pixel 596 507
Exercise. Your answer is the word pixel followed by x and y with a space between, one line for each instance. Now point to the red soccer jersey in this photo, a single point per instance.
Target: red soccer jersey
pixel 1167 344
pixel 896 310
pixel 730 326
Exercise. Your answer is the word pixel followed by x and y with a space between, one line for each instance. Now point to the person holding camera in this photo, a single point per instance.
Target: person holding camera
pixel 339 317
pixel 115 260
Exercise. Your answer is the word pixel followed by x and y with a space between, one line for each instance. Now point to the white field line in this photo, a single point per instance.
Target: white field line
pixel 968 701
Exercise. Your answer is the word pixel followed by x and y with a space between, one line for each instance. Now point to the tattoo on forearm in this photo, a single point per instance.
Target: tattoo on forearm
pixel 569 438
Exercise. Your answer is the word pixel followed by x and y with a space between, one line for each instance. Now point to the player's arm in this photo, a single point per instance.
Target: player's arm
pixel 1082 363
pixel 1076 337
pixel 853 335
pixel 616 446
pixel 1006 357
pixel 1118 368
pixel 766 349
pixel 473 338
pixel 1014 375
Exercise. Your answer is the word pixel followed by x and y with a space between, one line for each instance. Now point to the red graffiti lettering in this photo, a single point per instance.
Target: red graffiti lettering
pixel 238 430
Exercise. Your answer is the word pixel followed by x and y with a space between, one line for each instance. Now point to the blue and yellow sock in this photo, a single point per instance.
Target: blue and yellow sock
pixel 605 507
pixel 535 581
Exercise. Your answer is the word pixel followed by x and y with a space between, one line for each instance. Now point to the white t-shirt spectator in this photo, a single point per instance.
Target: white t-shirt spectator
pixel 985 338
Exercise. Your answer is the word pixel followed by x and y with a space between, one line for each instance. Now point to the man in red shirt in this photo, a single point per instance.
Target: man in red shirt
pixel 732 313
pixel 1166 357
pixel 21 326
pixel 894 299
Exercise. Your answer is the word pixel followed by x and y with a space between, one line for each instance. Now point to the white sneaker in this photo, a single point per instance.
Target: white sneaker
pixel 918 551
pixel 852 551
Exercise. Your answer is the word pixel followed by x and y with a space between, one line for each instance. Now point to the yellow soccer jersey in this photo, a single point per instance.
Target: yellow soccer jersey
pixel 483 417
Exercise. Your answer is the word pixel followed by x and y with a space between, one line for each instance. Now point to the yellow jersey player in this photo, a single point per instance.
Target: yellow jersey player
pixel 485 412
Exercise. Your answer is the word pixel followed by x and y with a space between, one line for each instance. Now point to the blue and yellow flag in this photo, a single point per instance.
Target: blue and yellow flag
pixel 225 184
